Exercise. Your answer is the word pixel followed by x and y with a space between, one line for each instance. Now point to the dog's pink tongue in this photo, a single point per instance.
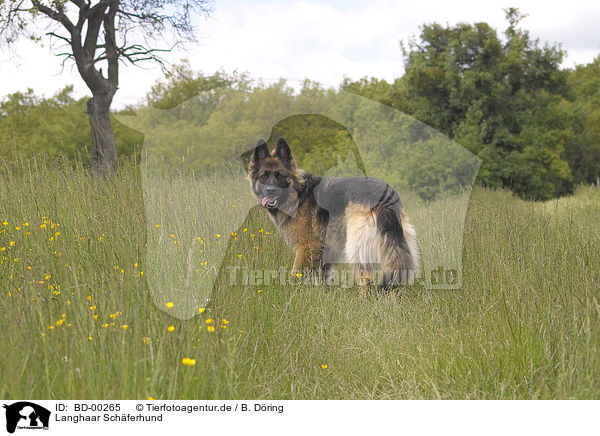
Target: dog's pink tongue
pixel 266 200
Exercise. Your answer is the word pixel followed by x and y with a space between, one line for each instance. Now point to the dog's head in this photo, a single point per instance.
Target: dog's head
pixel 274 177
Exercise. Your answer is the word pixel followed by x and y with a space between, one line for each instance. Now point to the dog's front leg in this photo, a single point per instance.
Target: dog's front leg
pixel 308 257
pixel 300 262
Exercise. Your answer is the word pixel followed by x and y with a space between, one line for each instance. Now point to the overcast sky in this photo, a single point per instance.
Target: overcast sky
pixel 316 39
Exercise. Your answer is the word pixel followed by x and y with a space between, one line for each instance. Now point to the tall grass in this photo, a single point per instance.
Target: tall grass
pixel 78 319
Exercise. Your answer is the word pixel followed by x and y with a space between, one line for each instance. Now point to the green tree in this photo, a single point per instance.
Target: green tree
pixel 392 95
pixel 496 98
pixel 582 148
pixel 181 84
pixel 36 125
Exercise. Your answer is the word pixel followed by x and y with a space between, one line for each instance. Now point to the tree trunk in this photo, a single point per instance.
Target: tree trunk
pixel 103 155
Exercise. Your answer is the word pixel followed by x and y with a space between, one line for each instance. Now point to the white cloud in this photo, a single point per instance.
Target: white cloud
pixel 323 41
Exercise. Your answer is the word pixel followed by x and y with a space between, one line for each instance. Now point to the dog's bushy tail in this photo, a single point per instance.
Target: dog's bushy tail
pixel 398 251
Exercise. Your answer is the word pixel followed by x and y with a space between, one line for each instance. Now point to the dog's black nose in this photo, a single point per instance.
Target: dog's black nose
pixel 270 190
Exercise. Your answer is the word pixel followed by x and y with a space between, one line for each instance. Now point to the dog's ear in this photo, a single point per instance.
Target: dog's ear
pixel 283 152
pixel 261 151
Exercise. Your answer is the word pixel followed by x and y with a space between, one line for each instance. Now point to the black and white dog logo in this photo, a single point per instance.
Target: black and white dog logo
pixel 26 415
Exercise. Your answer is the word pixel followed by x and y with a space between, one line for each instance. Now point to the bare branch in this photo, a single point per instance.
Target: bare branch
pixel 112 53
pixel 100 6
pixel 94 22
pixel 68 55
pixel 55 35
pixel 55 15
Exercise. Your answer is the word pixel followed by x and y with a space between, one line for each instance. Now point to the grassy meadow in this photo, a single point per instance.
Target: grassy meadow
pixel 79 320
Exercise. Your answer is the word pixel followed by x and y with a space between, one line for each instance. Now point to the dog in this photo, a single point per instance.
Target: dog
pixel 334 220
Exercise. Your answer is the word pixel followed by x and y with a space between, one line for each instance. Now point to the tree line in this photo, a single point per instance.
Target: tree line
pixel 534 125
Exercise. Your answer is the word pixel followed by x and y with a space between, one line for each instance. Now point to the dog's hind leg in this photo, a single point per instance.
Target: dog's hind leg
pixel 398 251
pixel 361 248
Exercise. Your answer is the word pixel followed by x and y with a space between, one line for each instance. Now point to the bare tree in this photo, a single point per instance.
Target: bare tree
pixel 101 34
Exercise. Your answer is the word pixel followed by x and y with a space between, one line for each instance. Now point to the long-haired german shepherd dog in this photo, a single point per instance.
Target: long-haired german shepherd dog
pixel 327 220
